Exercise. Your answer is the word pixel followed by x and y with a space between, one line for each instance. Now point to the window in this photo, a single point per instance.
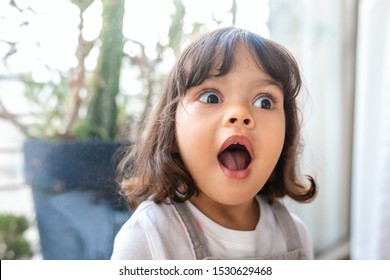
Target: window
pixel 47 57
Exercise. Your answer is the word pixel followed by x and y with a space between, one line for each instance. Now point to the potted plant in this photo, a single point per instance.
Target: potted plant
pixel 68 158
pixel 13 243
pixel 79 120
pixel 68 155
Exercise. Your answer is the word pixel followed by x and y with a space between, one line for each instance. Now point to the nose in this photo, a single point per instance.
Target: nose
pixel 239 115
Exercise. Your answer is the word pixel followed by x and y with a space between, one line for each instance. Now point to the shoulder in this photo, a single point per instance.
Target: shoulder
pixel 305 236
pixel 149 212
pixel 132 240
pixel 300 226
pixel 150 233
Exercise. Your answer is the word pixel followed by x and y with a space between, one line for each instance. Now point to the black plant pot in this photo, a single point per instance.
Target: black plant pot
pixel 78 208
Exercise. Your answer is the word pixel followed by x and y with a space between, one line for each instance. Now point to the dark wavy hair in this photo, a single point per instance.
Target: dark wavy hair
pixel 152 167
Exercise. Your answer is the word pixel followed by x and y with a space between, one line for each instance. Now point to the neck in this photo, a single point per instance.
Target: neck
pixel 242 217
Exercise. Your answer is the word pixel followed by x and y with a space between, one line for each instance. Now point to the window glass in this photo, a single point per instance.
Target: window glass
pixel 55 63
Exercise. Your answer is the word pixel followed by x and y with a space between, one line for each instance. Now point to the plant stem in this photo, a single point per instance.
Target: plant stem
pixel 102 110
pixel 4 114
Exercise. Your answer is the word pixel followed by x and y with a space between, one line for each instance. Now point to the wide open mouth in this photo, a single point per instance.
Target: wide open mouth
pixel 235 157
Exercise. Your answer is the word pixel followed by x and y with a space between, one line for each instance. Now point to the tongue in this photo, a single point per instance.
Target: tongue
pixel 234 160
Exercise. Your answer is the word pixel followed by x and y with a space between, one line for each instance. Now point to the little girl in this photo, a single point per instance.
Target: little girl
pixel 220 150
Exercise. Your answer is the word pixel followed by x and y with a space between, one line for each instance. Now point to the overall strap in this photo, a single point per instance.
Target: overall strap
pixel 198 240
pixel 287 225
pixel 283 217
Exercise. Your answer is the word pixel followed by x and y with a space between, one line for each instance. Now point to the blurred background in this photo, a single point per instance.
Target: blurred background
pixel 78 78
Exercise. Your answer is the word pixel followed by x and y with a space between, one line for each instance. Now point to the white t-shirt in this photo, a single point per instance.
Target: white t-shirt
pixel 156 231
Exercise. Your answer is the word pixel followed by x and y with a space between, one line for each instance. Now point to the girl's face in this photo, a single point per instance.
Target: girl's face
pixel 230 132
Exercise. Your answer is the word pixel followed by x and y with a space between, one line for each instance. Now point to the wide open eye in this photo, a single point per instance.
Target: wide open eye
pixel 264 102
pixel 210 97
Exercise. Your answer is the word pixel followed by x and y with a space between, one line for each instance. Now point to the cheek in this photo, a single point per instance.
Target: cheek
pixel 272 138
pixel 280 137
pixel 280 128
pixel 194 138
pixel 189 124
pixel 181 126
pixel 184 130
